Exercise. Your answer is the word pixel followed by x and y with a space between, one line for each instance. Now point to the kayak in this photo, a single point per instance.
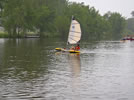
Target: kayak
pixel 64 50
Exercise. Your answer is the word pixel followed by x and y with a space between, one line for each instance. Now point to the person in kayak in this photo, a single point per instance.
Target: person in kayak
pixel 77 47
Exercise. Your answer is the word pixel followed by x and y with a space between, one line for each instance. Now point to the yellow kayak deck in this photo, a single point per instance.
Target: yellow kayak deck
pixel 64 50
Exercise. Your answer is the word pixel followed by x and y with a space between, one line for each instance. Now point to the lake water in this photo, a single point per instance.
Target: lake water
pixel 30 69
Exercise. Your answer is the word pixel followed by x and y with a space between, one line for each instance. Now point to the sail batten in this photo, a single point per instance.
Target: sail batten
pixel 74 36
pixel 74 32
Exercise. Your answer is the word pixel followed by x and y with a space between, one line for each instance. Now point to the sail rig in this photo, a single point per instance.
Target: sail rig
pixel 74 32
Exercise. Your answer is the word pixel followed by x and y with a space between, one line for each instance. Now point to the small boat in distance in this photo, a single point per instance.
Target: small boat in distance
pixel 74 36
pixel 128 37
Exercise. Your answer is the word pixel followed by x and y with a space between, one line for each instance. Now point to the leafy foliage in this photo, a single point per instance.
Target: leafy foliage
pixel 52 18
pixel 117 24
pixel 130 26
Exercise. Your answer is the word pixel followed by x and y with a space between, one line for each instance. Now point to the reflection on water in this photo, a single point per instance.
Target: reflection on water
pixel 71 86
pixel 74 61
pixel 30 69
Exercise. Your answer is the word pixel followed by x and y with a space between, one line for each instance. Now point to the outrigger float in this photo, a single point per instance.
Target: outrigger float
pixel 64 50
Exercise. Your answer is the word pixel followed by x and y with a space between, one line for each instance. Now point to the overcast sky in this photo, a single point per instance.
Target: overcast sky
pixel 124 7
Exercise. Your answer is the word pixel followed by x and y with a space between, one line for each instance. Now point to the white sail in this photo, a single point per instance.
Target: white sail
pixel 74 32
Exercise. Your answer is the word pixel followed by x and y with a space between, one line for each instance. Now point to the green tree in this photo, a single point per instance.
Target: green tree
pixel 2 3
pixel 62 26
pixel 117 23
pixel 17 17
pixel 132 13
pixel 130 25
pixel 44 19
pixel 53 17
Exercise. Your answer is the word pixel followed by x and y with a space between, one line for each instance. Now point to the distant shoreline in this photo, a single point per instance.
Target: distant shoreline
pixel 29 35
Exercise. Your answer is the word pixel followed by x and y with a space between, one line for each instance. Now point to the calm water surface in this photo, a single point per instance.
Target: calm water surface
pixel 30 69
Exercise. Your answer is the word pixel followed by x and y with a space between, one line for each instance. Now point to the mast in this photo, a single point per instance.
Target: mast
pixel 69 29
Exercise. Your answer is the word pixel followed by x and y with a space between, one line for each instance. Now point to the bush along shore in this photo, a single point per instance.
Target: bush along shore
pixel 4 34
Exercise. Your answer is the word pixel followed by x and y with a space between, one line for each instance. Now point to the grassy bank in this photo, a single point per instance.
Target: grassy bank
pixel 3 34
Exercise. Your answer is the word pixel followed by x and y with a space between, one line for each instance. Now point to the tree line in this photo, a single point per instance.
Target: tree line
pixel 130 25
pixel 51 18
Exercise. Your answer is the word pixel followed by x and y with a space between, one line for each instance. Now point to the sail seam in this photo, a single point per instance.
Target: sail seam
pixel 75 36
pixel 75 23
pixel 73 40
pixel 75 31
